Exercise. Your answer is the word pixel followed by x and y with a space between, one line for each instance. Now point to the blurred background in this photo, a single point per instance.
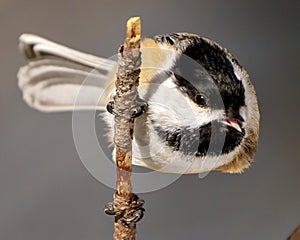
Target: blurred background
pixel 46 192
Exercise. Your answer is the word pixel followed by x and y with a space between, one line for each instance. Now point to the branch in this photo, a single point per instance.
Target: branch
pixel 125 101
pixel 295 235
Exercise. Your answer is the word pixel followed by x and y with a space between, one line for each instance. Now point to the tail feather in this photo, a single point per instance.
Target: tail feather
pixel 58 78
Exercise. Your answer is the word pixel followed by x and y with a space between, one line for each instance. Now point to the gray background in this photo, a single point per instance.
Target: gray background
pixel 46 193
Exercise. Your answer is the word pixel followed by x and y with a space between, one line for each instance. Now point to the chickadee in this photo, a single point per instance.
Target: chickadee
pixel 202 108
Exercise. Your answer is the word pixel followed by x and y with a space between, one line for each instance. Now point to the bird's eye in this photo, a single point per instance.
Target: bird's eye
pixel 200 100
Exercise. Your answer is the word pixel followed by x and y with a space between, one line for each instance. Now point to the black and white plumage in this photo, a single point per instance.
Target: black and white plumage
pixel 202 108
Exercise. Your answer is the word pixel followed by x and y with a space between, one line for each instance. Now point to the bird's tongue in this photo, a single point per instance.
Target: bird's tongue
pixel 233 123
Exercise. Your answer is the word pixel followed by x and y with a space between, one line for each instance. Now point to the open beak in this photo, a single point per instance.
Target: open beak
pixel 232 122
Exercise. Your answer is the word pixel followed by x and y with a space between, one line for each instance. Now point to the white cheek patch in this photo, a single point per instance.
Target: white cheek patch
pixel 169 83
pixel 170 107
pixel 168 104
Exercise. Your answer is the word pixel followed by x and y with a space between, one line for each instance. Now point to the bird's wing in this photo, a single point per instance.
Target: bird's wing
pixel 57 78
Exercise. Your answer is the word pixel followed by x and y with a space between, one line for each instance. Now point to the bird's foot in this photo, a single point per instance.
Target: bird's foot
pixel 137 111
pixel 136 215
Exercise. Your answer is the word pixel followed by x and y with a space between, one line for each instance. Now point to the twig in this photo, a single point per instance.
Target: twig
pixel 295 235
pixel 124 101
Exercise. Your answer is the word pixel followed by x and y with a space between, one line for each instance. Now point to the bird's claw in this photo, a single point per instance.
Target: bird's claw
pixel 137 111
pixel 137 215
pixel 110 108
pixel 109 210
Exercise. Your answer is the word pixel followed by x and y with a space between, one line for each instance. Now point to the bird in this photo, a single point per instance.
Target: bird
pixel 202 110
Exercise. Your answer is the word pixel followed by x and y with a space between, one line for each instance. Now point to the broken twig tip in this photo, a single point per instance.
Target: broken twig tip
pixel 133 33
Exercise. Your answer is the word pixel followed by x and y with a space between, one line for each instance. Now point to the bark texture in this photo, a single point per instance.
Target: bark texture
pixel 129 62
